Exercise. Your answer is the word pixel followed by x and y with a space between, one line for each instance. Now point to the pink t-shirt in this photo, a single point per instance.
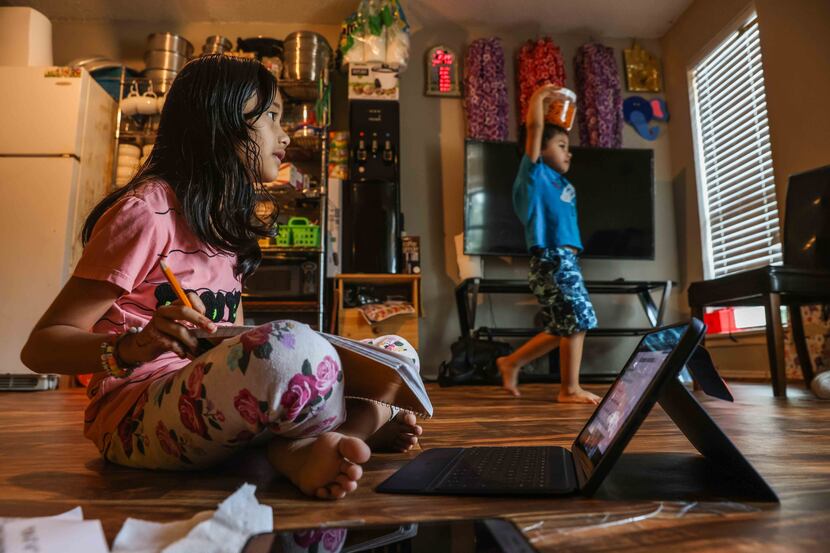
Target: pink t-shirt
pixel 125 248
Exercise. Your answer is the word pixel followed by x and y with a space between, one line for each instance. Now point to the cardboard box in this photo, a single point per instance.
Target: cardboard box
pixel 720 321
pixel 373 81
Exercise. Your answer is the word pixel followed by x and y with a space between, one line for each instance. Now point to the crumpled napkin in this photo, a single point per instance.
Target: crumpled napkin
pixel 222 531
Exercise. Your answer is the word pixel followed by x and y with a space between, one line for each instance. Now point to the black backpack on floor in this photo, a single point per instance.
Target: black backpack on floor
pixel 473 361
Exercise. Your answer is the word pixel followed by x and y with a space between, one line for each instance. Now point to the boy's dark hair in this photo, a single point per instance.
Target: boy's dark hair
pixel 201 134
pixel 549 131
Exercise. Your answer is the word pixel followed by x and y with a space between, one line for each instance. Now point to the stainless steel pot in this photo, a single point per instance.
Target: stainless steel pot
pixel 86 61
pixel 171 43
pixel 216 44
pixel 162 79
pixel 164 59
pixel 307 56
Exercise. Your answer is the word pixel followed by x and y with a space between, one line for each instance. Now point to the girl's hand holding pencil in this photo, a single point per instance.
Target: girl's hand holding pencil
pixel 166 331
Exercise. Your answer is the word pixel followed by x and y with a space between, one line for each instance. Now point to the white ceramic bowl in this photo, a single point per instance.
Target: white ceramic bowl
pixel 128 107
pixel 130 150
pixel 147 104
pixel 127 161
pixel 125 172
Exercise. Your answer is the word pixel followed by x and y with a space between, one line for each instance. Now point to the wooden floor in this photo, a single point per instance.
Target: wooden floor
pixel 47 467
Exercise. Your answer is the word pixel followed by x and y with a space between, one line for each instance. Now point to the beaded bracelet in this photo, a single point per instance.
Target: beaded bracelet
pixel 111 361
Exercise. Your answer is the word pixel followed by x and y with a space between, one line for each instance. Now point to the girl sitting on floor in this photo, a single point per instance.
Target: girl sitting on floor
pixel 152 405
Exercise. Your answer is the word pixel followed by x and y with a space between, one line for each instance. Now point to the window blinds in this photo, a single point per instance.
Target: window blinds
pixel 739 212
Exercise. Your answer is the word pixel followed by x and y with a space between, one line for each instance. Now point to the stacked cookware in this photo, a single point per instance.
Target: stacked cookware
pixel 307 57
pixel 166 54
pixel 216 44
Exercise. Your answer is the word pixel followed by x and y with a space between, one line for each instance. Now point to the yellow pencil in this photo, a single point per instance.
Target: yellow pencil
pixel 171 278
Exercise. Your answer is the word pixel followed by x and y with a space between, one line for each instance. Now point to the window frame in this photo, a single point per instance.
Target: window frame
pixel 708 254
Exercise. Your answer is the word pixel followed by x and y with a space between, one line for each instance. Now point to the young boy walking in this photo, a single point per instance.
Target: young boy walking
pixel 545 202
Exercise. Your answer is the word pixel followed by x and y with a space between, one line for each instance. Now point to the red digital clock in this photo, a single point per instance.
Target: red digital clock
pixel 442 72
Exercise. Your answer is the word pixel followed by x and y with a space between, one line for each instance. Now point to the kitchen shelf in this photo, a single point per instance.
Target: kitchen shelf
pixel 138 134
pixel 290 249
pixel 285 192
pixel 302 90
pixel 307 151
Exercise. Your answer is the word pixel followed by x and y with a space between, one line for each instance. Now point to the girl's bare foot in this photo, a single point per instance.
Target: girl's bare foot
pixel 398 435
pixel 509 375
pixel 577 395
pixel 326 466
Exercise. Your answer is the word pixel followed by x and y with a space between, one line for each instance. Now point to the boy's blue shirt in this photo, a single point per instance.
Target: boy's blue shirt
pixel 545 203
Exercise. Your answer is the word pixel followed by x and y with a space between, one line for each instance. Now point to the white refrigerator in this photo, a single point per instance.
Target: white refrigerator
pixel 56 147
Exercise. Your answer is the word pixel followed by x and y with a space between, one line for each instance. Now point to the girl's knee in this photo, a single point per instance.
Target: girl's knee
pixel 301 366
pixel 281 349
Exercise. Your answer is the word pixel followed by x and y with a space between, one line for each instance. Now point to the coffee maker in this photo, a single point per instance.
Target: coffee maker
pixel 371 212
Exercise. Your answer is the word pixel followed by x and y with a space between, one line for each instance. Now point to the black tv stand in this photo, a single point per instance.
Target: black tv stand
pixel 466 298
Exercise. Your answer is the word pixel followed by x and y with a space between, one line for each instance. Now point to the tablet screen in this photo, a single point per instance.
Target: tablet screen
pixel 616 408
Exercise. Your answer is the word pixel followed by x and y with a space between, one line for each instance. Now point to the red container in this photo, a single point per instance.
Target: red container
pixel 720 321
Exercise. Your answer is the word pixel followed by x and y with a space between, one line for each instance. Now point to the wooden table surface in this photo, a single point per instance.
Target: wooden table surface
pixel 47 467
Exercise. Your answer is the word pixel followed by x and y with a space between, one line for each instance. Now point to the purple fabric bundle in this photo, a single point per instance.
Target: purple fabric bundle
pixel 485 90
pixel 599 103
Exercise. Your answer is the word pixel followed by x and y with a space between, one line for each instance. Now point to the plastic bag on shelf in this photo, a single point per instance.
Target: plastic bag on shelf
pixel 350 48
pixel 397 47
pixel 374 39
pixel 397 34
pixel 374 47
pixel 377 32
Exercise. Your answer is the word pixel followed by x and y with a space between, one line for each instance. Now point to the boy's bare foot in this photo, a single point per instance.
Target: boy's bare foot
pixel 577 396
pixel 398 435
pixel 326 466
pixel 509 375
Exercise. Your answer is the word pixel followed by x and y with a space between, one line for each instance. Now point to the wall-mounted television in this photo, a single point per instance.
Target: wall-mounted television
pixel 615 200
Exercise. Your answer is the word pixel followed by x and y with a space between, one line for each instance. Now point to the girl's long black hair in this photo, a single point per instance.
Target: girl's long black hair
pixel 205 152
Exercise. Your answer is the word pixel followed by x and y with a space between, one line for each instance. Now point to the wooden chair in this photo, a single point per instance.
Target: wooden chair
pixel 803 279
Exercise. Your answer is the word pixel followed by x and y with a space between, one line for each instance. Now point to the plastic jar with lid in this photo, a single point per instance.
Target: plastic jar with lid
pixel 562 110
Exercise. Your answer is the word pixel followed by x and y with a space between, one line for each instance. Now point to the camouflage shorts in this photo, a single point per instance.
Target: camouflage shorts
pixel 556 281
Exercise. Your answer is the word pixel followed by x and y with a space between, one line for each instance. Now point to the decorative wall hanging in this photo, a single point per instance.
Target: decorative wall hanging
pixel 540 62
pixel 441 72
pixel 485 90
pixel 599 97
pixel 638 112
pixel 659 110
pixel 642 70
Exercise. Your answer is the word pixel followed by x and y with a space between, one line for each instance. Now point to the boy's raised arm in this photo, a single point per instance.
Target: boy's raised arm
pixel 535 122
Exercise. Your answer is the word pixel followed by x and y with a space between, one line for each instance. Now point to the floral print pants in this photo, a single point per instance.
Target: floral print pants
pixel 280 378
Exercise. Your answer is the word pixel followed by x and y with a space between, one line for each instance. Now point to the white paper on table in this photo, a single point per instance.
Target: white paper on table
pixel 225 530
pixel 53 535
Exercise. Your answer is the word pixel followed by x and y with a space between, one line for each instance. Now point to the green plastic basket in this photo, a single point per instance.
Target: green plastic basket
pixel 303 233
pixel 283 237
